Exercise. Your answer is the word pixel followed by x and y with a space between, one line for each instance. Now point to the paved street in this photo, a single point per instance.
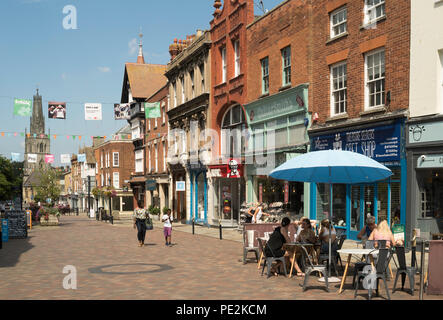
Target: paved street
pixel 110 265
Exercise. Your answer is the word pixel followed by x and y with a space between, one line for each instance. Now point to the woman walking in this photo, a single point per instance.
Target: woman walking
pixel 139 218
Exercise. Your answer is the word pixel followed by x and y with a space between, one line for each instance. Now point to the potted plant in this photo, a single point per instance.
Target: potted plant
pixel 49 216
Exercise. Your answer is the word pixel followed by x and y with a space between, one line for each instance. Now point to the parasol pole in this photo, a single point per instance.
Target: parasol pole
pixel 330 224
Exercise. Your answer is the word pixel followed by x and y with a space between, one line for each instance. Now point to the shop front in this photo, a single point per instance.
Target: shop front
pixel 177 200
pixel 199 193
pixel 278 127
pixel 228 192
pixel 352 204
pixel 425 175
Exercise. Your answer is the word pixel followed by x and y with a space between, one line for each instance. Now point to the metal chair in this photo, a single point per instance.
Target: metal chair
pixel 325 257
pixel 404 270
pixel 310 268
pixel 359 266
pixel 380 273
pixel 248 245
pixel 270 260
pixel 341 241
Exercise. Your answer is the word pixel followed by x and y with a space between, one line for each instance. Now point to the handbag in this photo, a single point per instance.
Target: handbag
pixel 149 224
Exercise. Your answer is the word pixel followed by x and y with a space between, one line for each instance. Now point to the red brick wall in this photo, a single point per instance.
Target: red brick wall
pixel 286 25
pixel 225 28
pixel 393 33
pixel 126 161
pixel 156 134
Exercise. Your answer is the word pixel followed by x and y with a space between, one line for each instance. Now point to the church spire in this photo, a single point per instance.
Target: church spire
pixel 140 58
pixel 37 119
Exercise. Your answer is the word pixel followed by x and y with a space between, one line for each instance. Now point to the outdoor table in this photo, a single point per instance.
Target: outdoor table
pixel 351 252
pixel 292 247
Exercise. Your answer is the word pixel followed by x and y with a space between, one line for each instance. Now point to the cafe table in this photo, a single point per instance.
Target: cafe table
pixel 350 253
pixel 292 247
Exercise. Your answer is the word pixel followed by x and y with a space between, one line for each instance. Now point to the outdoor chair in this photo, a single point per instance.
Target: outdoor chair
pixel 404 270
pixel 310 268
pixel 248 240
pixel 369 244
pixel 380 269
pixel 341 241
pixel 270 260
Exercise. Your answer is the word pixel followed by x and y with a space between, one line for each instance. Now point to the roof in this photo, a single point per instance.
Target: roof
pixel 33 180
pixel 144 80
pixel 89 151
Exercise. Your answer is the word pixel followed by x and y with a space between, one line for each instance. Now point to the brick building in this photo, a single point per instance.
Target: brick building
pixel 228 96
pixel 114 163
pixel 278 56
pixel 156 139
pixel 360 98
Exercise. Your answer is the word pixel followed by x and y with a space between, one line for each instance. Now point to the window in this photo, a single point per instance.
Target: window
pixel 156 157
pixel 164 115
pixel 102 180
pixel 237 57
pixel 440 84
pixel 223 55
pixel 375 79
pixel 339 22
pixel 164 156
pixel 96 168
pixel 115 159
pixel 139 161
pixel 101 158
pixel 174 88
pixel 182 83
pixel 116 180
pixel 202 75
pixel 374 9
pixel 286 60
pixel 265 75
pixel 191 75
pixel 232 140
pixel 338 89
pixel 148 157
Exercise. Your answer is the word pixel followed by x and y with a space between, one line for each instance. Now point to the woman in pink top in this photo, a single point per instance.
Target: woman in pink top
pixel 382 232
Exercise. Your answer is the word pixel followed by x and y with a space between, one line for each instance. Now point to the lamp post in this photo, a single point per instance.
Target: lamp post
pixel 110 209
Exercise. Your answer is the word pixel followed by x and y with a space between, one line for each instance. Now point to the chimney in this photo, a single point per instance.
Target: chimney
pixel 174 49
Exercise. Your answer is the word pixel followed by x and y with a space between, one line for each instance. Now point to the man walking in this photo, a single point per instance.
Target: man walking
pixel 167 226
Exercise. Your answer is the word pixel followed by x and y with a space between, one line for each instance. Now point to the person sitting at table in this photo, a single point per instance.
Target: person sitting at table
pixel 367 230
pixel 383 232
pixel 324 237
pixel 307 235
pixel 274 246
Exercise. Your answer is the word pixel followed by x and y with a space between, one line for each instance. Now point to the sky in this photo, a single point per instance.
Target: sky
pixel 85 65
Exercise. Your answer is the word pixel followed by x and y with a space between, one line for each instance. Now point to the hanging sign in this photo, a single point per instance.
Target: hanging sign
pixel 121 111
pixel 65 158
pixel 22 107
pixel 49 158
pixel 152 110
pixel 57 110
pixel 180 186
pixel 93 111
pixel 32 158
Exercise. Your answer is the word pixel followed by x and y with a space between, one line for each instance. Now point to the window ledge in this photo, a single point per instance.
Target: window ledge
pixel 370 24
pixel 337 37
pixel 343 116
pixel 373 110
pixel 264 95
pixel 285 87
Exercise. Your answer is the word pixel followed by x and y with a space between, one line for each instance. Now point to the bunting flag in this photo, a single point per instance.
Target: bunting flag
pixel 15 157
pixel 57 110
pixel 65 158
pixel 152 110
pixel 49 158
pixel 32 158
pixel 22 107
pixel 81 157
pixel 93 111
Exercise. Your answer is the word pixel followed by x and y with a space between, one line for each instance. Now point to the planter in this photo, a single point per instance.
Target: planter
pixel 52 221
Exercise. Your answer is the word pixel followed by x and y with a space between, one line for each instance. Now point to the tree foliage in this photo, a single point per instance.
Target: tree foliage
pixel 49 187
pixel 11 179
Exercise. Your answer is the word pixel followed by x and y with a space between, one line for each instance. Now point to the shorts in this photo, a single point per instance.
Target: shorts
pixel 167 231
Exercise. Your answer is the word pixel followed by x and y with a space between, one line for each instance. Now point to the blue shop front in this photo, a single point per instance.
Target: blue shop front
pixel 352 204
pixel 198 193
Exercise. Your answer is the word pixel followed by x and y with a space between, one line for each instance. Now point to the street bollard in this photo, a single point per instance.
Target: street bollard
pixel 193 226
pixel 221 236
pixel 422 269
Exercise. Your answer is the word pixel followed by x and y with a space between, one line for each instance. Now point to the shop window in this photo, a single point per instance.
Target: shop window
pixel 338 206
pixel 382 201
pixel 355 209
pixel 128 204
pixel 431 193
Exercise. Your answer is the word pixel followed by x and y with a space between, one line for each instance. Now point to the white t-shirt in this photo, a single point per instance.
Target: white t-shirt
pixel 168 221
pixel 259 214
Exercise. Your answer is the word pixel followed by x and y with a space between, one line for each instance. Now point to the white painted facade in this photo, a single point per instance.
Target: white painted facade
pixel 426 73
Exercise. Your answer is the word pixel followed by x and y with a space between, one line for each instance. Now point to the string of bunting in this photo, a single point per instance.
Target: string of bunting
pixel 55 136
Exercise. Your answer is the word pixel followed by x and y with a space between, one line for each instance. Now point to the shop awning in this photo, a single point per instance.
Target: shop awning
pixel 137 180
